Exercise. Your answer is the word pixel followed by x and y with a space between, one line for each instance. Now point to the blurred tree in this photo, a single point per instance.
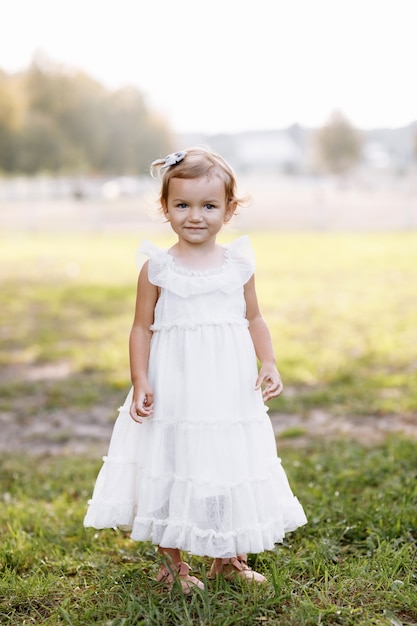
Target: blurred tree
pixel 11 119
pixel 133 135
pixel 63 120
pixel 339 144
pixel 42 146
pixel 68 106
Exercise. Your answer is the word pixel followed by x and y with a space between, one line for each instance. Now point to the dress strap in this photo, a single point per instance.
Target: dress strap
pixel 241 248
pixel 149 249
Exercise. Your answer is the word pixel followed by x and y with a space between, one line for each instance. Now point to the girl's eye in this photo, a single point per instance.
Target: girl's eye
pixel 209 206
pixel 181 205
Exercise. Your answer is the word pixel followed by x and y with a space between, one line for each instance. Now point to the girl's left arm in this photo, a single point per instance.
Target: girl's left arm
pixel 268 376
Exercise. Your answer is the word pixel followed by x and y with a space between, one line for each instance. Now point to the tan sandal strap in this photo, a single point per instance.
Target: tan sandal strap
pixel 164 574
pixel 238 563
pixel 183 568
pixel 167 574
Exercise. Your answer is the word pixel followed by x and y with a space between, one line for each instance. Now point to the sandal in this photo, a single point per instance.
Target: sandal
pixel 179 571
pixel 236 567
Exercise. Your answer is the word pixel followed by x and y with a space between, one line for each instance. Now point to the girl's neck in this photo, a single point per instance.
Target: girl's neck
pixel 199 257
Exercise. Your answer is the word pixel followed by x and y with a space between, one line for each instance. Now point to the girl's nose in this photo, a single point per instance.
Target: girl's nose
pixel 195 214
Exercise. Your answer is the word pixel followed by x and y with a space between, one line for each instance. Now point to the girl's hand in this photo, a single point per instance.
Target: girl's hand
pixel 142 405
pixel 270 380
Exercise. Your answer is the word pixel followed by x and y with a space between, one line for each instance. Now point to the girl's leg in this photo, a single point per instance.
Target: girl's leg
pixel 176 569
pixel 171 555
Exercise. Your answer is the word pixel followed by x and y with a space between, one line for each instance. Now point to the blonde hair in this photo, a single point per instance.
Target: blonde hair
pixel 195 163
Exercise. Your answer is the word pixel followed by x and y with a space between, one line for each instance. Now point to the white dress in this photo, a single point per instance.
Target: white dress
pixel 202 473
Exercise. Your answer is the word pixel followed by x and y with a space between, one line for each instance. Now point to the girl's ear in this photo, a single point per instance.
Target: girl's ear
pixel 230 211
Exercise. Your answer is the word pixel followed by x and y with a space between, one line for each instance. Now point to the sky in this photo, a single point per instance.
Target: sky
pixel 225 66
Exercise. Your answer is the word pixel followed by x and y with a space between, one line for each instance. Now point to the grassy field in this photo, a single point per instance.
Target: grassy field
pixel 342 309
pixel 353 564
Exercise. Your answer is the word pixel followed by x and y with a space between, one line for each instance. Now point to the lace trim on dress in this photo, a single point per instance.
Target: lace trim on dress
pixel 236 270
pixel 196 325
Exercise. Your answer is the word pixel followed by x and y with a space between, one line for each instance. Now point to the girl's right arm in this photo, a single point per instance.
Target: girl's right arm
pixel 139 346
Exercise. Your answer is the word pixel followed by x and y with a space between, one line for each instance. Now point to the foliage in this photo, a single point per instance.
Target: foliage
pixel 57 120
pixel 338 144
pixel 352 565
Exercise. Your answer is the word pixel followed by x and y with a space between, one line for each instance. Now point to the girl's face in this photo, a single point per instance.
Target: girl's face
pixel 197 208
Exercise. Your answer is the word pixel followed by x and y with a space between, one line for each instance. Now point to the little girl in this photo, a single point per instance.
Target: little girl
pixel 192 463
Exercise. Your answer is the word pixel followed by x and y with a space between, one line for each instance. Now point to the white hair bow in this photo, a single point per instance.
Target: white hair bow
pixel 170 159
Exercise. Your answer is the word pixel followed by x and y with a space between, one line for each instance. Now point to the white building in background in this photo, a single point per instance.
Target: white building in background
pixel 273 151
pixel 291 150
pixel 376 156
pixel 278 151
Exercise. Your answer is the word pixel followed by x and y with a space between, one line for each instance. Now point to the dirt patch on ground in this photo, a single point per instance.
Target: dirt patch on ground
pixel 28 428
pixel 88 432
pixel 367 429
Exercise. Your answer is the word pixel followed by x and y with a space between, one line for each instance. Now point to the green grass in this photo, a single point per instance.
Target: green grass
pixel 343 315
pixel 342 309
pixel 353 564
